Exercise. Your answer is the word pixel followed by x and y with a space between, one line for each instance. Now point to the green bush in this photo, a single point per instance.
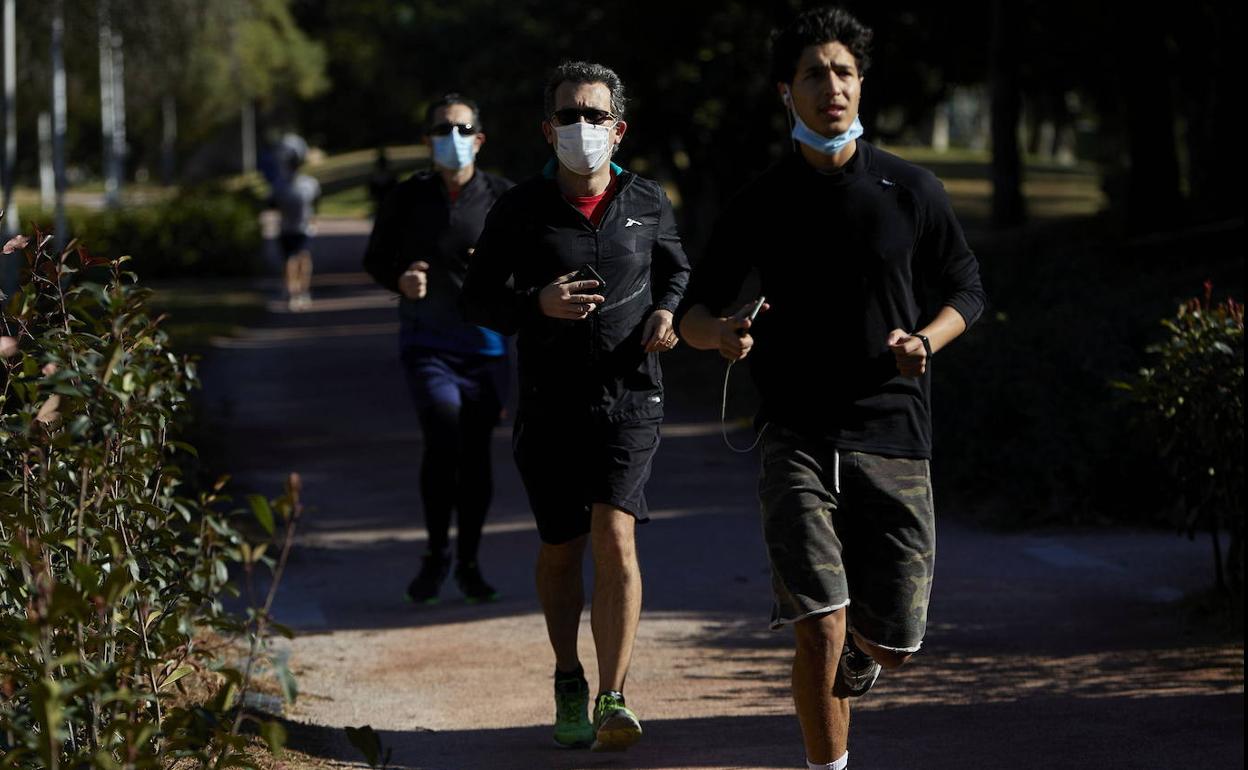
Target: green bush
pixel 193 234
pixel 111 576
pixel 1192 402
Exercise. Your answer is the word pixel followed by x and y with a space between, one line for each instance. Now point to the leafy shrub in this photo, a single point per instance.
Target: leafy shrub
pixel 110 573
pixel 1192 401
pixel 195 233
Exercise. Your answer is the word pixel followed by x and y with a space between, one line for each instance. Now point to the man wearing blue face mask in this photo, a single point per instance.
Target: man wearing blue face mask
pixel 585 264
pixel 847 241
pixel 425 230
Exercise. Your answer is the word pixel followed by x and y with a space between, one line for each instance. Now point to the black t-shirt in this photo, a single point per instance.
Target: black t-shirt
pixel 843 259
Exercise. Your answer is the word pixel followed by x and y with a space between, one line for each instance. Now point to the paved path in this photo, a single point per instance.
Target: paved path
pixel 1047 649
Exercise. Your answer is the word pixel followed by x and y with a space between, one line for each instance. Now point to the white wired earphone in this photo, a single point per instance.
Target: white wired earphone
pixel 723 404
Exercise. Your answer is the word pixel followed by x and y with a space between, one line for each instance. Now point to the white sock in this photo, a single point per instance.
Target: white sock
pixel 839 764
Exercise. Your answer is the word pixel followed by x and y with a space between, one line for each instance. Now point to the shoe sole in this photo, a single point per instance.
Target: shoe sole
pixel 425 602
pixel 582 744
pixel 861 689
pixel 617 734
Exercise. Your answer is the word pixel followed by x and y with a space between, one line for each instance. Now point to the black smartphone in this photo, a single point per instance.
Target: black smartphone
pixel 587 272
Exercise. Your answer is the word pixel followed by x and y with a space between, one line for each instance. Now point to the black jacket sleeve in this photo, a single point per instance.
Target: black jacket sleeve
pixel 669 265
pixel 382 258
pixel 489 298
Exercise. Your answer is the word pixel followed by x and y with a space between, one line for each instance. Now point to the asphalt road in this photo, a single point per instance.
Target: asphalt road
pixel 1045 649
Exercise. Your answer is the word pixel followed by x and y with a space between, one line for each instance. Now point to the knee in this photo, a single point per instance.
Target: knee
pixel 890 659
pixel 821 636
pixel 564 557
pixel 612 535
pixel 886 658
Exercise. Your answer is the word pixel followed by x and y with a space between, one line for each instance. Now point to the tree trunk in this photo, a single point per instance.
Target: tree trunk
pixel 59 120
pixel 249 136
pixel 1007 168
pixel 108 115
pixel 1153 199
pixel 11 220
pixel 168 139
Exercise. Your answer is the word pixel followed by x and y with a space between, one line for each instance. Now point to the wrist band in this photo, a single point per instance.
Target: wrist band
pixel 927 344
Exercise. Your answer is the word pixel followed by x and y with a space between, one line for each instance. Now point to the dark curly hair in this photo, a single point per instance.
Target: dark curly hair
pixel 816 27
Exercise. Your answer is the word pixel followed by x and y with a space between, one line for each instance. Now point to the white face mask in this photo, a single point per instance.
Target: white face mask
pixel 583 147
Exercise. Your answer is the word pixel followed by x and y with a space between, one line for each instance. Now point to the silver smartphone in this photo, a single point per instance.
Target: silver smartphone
pixel 753 312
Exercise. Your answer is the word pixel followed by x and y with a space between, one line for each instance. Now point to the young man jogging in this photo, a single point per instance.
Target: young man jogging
pixel 846 239
pixel 457 372
pixel 585 264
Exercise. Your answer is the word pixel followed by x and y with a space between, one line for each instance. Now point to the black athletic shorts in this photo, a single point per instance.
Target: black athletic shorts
pixel 292 243
pixel 565 471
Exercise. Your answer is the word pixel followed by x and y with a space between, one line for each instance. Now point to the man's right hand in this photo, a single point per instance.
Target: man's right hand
pixel 735 340
pixel 414 283
pixel 567 299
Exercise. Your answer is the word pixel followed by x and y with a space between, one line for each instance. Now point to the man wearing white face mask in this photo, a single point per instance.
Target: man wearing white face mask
pixel 585 264
pixel 847 241
pixel 456 372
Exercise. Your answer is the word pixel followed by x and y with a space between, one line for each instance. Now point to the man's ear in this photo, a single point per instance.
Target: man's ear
pixel 620 128
pixel 548 132
pixel 480 139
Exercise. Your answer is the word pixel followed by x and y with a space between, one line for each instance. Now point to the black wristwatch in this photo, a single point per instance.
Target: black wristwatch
pixel 927 344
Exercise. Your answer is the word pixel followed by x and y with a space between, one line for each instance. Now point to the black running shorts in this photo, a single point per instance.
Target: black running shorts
pixel 565 471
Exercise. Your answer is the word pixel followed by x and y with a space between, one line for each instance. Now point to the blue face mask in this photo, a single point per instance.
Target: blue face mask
pixel 454 151
pixel 818 142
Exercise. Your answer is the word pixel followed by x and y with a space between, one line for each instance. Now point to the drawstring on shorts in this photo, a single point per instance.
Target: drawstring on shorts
pixel 836 471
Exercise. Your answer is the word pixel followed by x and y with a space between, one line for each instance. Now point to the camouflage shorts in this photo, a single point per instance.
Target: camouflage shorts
pixel 848 529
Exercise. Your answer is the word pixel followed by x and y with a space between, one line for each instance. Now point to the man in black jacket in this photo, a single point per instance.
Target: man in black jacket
pixel 846 240
pixel 457 372
pixel 591 395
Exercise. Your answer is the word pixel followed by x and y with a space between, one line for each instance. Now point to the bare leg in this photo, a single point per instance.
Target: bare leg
pixel 886 658
pixel 291 273
pixel 823 716
pixel 304 260
pixel 616 606
pixel 561 590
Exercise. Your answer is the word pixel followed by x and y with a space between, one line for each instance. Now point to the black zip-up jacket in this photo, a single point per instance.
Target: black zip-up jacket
pixel 418 221
pixel 594 367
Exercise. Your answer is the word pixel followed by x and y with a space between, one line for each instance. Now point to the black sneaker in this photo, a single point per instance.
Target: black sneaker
pixel 425 586
pixel 472 585
pixel 857 670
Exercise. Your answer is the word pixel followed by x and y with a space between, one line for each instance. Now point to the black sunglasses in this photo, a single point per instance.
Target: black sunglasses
pixel 570 115
pixel 443 129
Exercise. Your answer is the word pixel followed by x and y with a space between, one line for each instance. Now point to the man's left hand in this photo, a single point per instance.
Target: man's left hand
pixel 909 351
pixel 659 336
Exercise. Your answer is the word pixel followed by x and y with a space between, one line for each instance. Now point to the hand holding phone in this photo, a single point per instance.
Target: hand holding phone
pixel 567 298
pixel 749 313
pixel 586 272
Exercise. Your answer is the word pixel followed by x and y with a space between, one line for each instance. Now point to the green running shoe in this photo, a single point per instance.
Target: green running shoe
pixel 572 727
pixel 615 726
